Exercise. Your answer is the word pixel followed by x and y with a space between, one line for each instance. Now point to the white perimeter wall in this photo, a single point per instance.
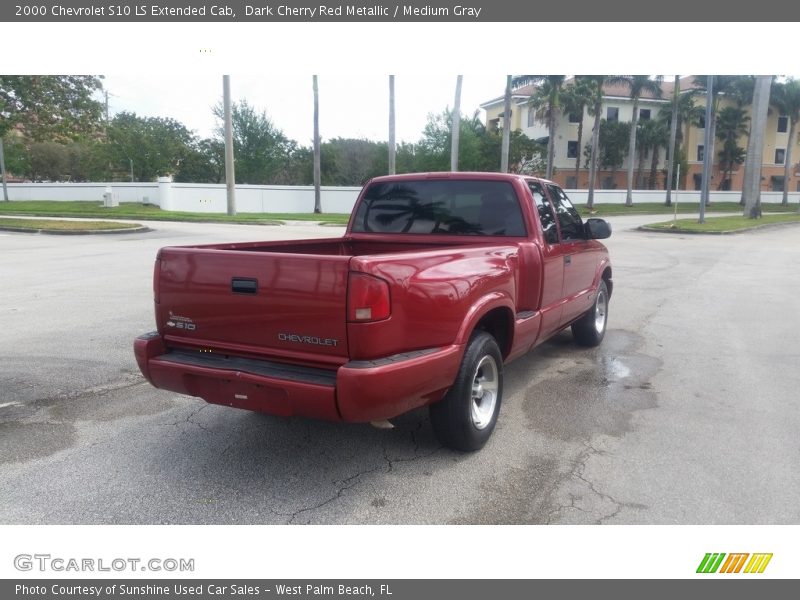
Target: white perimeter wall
pixel 210 198
pixel 193 197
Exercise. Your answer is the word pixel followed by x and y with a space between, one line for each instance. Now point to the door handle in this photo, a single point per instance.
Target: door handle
pixel 242 285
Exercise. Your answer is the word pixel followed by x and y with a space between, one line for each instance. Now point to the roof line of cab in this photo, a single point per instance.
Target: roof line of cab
pixel 483 175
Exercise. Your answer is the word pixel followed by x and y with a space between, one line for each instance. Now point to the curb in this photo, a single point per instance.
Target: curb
pixel 733 232
pixel 141 229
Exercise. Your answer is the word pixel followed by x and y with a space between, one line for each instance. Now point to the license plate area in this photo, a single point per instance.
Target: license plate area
pixel 240 394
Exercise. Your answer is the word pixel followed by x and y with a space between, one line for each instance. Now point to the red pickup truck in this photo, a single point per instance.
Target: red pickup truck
pixel 439 280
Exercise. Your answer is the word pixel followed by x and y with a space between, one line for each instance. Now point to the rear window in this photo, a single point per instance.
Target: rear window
pixel 440 206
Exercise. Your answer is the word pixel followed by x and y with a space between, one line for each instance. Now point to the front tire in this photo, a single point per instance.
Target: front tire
pixel 465 418
pixel 590 329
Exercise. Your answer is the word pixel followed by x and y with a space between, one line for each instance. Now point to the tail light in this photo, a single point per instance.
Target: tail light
pixel 367 298
pixel 157 279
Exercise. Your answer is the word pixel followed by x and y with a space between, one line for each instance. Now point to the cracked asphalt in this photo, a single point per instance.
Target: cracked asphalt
pixel 686 414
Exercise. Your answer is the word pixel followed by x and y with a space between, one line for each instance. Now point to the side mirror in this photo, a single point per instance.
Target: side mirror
pixel 597 229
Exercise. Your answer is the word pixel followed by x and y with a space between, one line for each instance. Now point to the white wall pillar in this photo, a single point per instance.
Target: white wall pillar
pixel 165 193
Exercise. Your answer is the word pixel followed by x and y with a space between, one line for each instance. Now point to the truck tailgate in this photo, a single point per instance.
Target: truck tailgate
pixel 253 303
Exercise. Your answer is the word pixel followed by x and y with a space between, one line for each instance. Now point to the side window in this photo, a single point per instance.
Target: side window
pixel 546 217
pixel 568 218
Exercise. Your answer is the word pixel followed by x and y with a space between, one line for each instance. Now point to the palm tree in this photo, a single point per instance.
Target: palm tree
pixel 637 86
pixel 576 98
pixel 751 189
pixel 547 100
pixel 786 98
pixel 738 88
pixel 596 109
pixel 652 136
pixel 392 145
pixel 731 124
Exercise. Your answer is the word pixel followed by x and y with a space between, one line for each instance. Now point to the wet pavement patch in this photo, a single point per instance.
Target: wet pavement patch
pixel 20 442
pixel 596 396
pixel 520 495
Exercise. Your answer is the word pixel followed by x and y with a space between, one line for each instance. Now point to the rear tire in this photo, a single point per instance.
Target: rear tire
pixel 465 418
pixel 590 329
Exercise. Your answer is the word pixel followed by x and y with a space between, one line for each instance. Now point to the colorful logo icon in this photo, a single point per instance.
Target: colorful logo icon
pixel 734 563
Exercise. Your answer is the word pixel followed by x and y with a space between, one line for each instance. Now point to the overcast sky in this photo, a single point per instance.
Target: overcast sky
pixel 174 70
pixel 350 106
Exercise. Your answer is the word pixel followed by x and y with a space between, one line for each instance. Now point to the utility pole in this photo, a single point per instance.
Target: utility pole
pixel 230 175
pixel 707 158
pixel 392 144
pixel 506 127
pixel 456 126
pixel 673 134
pixel 317 153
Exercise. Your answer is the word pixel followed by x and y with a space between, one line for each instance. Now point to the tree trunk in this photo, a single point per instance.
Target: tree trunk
pixel 230 173
pixel 640 168
pixel 455 131
pixel 551 140
pixel 751 189
pixel 787 164
pixel 504 151
pixel 653 168
pixel 708 158
pixel 579 153
pixel 3 171
pixel 711 148
pixel 317 153
pixel 593 154
pixel 392 148
pixel 632 152
pixel 673 134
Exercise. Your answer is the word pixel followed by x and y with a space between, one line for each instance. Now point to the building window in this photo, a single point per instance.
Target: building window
pixel 644 114
pixel 531 117
pixel 777 183
pixel 783 124
pixel 572 149
pixel 701 122
pixel 612 114
pixel 780 155
pixel 608 183
pixel 572 183
pixel 575 117
pixel 700 152
pixel 698 181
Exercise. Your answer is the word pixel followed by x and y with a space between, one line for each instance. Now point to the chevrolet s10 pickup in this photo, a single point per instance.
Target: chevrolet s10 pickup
pixel 439 280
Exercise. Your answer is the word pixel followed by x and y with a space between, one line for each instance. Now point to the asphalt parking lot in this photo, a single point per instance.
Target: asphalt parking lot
pixel 686 414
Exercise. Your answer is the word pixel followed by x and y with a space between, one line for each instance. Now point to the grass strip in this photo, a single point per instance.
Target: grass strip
pixel 722 224
pixel 53 225
pixel 150 212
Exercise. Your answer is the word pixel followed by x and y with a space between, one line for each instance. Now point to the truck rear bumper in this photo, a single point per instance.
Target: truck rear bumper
pixel 359 391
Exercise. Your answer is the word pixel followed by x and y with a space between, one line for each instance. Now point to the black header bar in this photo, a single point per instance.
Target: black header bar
pixel 409 11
